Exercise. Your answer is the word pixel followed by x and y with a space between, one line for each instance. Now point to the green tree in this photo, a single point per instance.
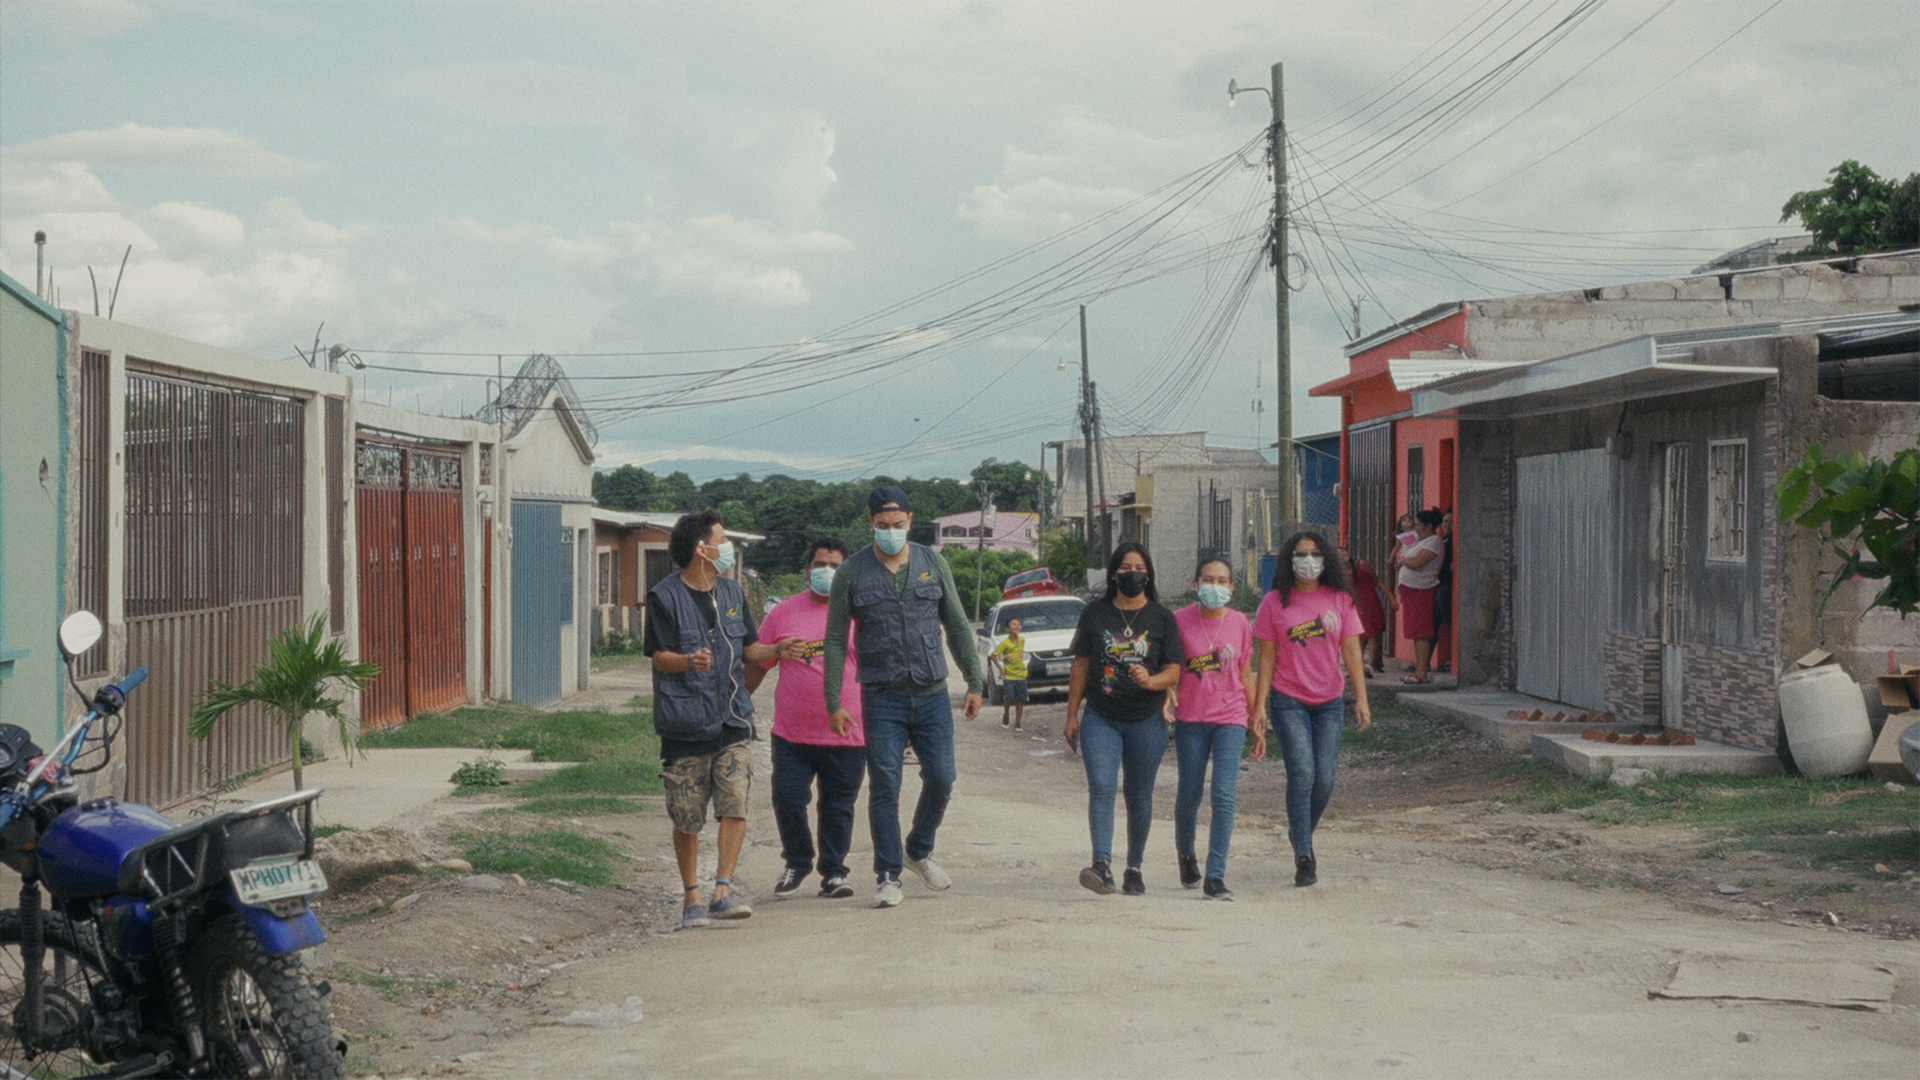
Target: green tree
pixel 1875 505
pixel 301 667
pixel 989 568
pixel 1016 485
pixel 1065 553
pixel 1856 211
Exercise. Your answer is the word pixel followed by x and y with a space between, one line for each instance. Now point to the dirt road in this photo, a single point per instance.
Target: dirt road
pixel 1393 965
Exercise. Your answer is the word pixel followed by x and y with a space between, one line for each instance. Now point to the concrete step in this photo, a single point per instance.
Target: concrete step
pixel 1486 713
pixel 525 772
pixel 1585 757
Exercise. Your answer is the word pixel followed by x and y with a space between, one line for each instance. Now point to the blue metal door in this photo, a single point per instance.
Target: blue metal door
pixel 541 589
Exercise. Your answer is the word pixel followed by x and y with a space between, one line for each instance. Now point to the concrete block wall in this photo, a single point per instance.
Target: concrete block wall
pixel 1542 325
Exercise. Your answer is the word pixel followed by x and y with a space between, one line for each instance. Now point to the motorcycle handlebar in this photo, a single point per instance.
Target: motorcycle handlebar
pixel 134 678
pixel 113 697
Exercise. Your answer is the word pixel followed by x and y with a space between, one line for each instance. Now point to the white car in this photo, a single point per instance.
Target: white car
pixel 1046 624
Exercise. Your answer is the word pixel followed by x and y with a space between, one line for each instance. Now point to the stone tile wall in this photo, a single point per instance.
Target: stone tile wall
pixel 1632 678
pixel 1730 695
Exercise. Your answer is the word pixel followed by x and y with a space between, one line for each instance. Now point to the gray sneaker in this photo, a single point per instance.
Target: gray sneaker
pixel 729 907
pixel 930 873
pixel 693 915
pixel 889 894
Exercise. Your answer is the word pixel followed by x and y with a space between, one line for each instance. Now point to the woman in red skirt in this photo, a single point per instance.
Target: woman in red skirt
pixel 1419 582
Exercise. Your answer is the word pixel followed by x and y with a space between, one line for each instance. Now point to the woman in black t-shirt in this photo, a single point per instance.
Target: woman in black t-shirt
pixel 1126 656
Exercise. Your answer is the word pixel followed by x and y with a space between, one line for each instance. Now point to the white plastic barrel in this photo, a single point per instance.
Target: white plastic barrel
pixel 1826 720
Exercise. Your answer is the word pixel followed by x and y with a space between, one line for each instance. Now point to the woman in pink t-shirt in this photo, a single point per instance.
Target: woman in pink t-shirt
pixel 1211 707
pixel 1308 630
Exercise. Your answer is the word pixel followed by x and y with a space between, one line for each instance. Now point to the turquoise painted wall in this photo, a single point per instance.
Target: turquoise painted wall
pixel 33 479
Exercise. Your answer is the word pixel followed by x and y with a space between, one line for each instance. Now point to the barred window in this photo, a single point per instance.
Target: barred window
pixel 1727 508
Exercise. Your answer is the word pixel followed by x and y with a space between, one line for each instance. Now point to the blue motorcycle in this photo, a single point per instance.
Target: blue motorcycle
pixel 166 949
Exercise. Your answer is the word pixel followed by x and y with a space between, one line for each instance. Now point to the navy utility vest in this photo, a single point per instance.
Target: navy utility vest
pixel 694 705
pixel 896 635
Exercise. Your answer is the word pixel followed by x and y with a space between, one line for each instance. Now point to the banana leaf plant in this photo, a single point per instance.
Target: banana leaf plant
pixel 301 667
pixel 1871 509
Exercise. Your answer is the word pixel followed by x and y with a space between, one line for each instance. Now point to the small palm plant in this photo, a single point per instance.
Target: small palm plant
pixel 293 683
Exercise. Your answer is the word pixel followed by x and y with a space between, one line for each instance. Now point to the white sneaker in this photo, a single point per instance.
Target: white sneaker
pixel 930 873
pixel 889 894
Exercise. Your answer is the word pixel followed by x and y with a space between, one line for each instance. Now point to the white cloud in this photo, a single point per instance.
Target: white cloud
pixel 518 92
pixel 194 228
pixel 71 22
pixel 622 452
pixel 189 149
pixel 747 263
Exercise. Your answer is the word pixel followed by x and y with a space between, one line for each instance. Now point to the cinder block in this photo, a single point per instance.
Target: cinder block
pixel 1796 287
pixel 1614 292
pixel 1904 287
pixel 1756 287
pixel 1894 267
pixel 1707 288
pixel 1865 287
pixel 1652 290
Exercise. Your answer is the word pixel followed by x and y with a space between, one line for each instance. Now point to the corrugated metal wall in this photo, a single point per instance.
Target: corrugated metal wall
pixel 412 579
pixel 1563 576
pixel 542 592
pixel 214 484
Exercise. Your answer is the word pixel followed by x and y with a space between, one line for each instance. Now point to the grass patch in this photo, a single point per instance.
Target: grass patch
pixel 576 806
pixel 1820 888
pixel 550 853
pixel 321 832
pixel 1848 823
pixel 397 988
pixel 608 776
pixel 618 751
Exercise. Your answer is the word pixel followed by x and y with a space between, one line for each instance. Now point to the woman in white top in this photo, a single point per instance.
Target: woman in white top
pixel 1418 584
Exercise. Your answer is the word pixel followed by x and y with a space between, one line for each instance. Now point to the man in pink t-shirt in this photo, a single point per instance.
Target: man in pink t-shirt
pixel 804 745
pixel 1309 633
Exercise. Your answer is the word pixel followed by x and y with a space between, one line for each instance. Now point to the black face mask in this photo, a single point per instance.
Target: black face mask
pixel 1131 582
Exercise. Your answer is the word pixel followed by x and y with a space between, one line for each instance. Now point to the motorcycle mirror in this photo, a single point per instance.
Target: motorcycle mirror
pixel 79 632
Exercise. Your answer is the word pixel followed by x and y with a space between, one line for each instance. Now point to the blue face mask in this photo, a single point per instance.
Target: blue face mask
pixel 1214 596
pixel 723 556
pixel 820 579
pixel 891 541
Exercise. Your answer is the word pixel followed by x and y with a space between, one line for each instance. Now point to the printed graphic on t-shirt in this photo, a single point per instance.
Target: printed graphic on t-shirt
pixel 1205 662
pixel 812 650
pixel 1122 650
pixel 1327 625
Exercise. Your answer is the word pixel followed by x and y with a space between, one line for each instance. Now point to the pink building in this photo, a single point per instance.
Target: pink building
pixel 1010 531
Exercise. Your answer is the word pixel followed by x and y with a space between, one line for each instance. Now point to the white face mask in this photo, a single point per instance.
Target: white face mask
pixel 723 556
pixel 891 541
pixel 820 579
pixel 1214 595
pixel 1308 567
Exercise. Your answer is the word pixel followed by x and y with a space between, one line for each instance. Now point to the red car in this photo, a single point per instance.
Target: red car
pixel 1036 582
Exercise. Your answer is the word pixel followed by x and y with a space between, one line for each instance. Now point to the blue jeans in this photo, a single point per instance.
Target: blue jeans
pixel 1309 737
pixel 1105 746
pixel 892 721
pixel 840 770
pixel 1194 747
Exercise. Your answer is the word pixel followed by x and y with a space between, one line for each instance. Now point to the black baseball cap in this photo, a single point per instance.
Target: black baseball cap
pixel 881 496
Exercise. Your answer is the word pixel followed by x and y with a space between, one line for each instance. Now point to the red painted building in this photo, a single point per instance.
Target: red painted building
pixel 1392 462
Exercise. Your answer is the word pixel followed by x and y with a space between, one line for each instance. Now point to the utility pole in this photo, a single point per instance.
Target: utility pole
pixel 1086 434
pixel 1282 293
pixel 984 522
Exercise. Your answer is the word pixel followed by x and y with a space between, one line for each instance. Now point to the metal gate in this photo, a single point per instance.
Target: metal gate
pixel 1370 513
pixel 542 596
pixel 214 479
pixel 1563 576
pixel 413 596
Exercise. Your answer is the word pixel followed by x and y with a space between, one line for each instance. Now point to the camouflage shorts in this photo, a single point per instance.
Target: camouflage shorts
pixel 721 778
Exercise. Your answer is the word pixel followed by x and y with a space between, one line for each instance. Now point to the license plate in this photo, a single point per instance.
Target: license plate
pixel 267 880
pixel 1060 667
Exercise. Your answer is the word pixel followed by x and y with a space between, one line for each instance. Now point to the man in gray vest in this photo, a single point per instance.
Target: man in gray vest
pixel 698 633
pixel 899 597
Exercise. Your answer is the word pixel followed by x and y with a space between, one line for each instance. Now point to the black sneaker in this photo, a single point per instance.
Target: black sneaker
pixel 1098 878
pixel 789 883
pixel 1303 868
pixel 836 888
pixel 1216 889
pixel 1133 883
pixel 1189 872
pixel 1006 720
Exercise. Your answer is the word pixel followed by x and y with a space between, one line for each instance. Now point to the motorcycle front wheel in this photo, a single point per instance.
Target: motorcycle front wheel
pixel 65 974
pixel 263 1017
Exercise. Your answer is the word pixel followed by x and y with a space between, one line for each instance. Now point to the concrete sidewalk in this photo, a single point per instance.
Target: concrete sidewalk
pixel 381 787
pixel 1487 713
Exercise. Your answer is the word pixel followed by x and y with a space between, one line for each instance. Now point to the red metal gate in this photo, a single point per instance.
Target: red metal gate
pixel 413 612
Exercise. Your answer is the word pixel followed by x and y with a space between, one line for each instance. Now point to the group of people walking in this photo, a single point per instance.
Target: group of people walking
pixel 1204 678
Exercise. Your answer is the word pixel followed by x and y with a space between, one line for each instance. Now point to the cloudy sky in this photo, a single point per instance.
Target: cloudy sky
pixel 830 239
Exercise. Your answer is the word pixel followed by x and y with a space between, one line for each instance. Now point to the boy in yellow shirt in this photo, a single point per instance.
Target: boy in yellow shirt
pixel 1010 656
